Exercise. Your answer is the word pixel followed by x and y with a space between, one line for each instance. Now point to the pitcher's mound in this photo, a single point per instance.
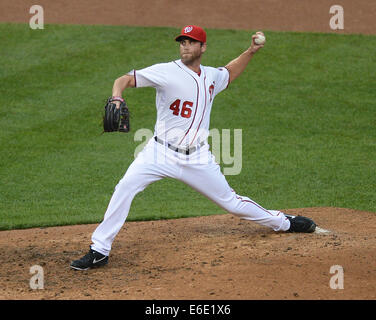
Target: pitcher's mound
pixel 212 257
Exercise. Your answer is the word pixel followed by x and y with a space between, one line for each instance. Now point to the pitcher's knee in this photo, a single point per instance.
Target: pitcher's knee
pixel 130 183
pixel 234 207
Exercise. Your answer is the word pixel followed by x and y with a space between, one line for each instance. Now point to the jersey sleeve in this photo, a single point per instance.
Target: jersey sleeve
pixel 153 76
pixel 222 79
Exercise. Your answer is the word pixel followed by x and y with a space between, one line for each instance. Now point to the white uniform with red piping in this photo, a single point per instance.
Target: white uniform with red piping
pixel 183 100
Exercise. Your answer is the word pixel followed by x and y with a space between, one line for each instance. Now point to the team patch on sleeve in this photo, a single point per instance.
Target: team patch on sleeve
pixel 223 79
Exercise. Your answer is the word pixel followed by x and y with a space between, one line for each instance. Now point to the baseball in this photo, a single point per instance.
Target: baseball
pixel 260 39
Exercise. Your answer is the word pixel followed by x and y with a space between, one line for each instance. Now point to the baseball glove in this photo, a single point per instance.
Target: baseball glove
pixel 116 119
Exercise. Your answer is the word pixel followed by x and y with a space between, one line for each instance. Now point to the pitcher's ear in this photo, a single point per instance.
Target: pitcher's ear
pixel 203 47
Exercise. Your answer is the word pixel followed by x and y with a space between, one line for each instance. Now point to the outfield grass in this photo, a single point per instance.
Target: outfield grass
pixel 306 104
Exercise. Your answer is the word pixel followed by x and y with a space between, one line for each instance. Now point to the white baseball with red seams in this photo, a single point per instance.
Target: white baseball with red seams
pixel 184 101
pixel 260 39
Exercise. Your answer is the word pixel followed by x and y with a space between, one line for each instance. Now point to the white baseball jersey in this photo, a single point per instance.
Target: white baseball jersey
pixel 183 99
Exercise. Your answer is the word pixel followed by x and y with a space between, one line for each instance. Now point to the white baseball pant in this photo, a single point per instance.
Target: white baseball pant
pixel 198 170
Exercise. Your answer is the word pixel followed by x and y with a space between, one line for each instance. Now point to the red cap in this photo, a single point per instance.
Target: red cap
pixel 193 32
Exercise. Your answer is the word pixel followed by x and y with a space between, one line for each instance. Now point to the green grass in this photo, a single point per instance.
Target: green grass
pixel 306 104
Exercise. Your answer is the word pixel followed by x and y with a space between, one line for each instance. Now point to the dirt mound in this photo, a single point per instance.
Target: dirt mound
pixel 212 257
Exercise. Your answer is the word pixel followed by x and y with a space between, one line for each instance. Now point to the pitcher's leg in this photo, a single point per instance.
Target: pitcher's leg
pixel 248 209
pixel 209 181
pixel 137 177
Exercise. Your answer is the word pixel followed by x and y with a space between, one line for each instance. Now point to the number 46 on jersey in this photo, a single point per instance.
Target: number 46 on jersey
pixel 185 110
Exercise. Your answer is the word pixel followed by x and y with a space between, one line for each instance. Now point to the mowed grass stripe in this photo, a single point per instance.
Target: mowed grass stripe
pixel 306 105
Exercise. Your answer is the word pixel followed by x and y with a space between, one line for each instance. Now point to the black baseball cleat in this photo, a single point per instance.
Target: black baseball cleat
pixel 91 260
pixel 301 224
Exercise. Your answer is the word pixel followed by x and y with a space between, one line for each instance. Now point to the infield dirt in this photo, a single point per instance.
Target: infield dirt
pixel 213 257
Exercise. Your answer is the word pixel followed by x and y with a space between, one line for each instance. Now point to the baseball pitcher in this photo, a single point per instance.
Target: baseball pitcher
pixel 185 91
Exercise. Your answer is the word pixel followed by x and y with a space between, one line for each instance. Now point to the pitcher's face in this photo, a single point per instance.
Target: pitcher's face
pixel 191 50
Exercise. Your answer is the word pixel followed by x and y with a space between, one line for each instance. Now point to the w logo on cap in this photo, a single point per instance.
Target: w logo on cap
pixel 193 32
pixel 188 29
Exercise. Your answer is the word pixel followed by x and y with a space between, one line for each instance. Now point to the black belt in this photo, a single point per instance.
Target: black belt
pixel 183 151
